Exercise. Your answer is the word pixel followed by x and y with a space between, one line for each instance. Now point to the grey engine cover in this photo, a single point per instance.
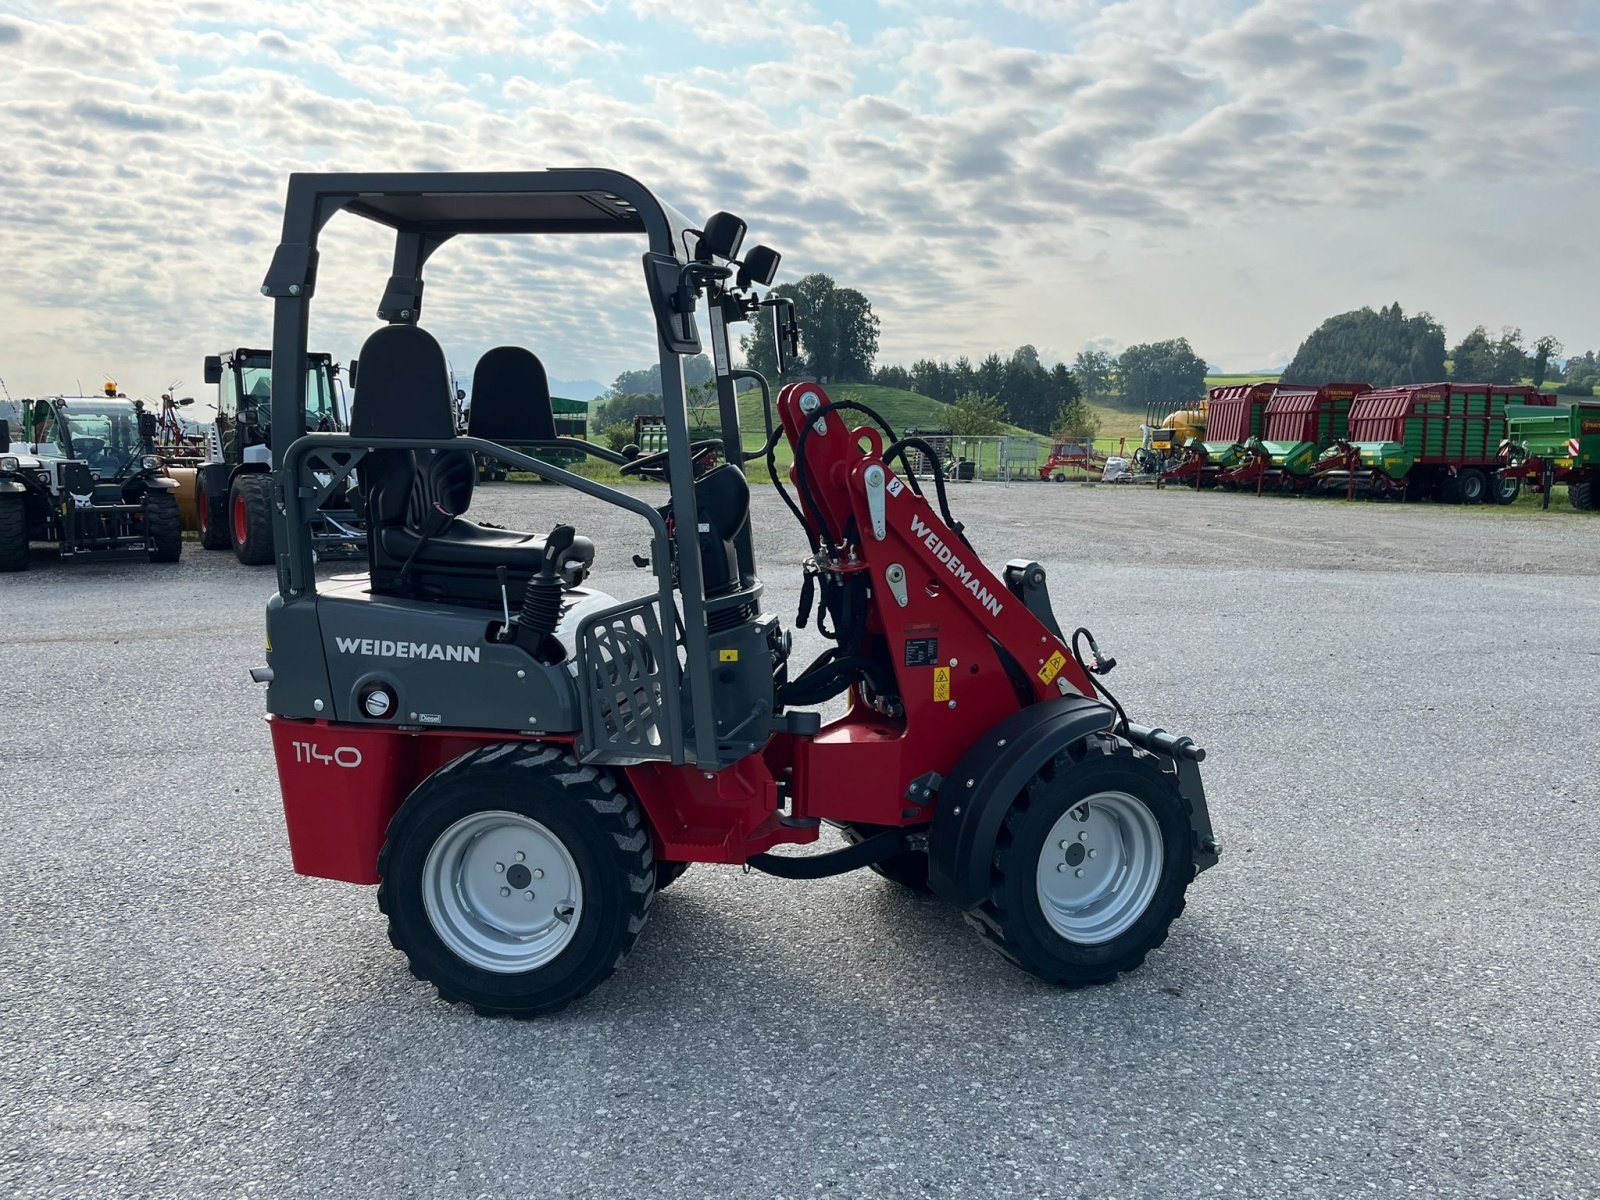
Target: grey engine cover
pixel 436 657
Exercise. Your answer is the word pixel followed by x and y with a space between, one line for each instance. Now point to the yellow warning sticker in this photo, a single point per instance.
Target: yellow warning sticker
pixel 941 684
pixel 1052 668
pixel 727 656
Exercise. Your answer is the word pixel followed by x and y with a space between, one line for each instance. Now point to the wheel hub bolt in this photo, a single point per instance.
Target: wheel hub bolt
pixel 1079 872
pixel 499 868
pixel 521 857
pixel 1061 866
pixel 527 895
pixel 1084 836
pixel 505 891
pixel 1094 854
pixel 538 874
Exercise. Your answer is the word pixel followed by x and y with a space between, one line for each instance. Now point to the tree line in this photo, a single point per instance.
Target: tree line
pixel 839 345
pixel 1386 348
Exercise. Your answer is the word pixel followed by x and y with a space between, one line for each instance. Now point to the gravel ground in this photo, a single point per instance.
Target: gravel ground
pixel 1386 989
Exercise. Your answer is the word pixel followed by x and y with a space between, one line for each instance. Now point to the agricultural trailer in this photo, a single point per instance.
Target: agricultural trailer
pixel 1550 444
pixel 1234 415
pixel 1427 441
pixel 82 472
pixel 234 483
pixel 1298 424
pixel 520 761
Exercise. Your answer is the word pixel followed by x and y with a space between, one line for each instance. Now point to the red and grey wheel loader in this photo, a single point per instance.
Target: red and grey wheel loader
pixel 520 762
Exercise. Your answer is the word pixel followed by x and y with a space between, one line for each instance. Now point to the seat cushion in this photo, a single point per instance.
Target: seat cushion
pixel 466 544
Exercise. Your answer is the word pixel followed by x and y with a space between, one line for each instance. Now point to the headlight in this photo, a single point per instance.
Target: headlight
pixel 9 462
pixel 43 477
pixel 150 462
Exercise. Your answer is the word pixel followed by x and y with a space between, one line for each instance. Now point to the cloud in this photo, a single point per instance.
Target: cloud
pixel 1084 172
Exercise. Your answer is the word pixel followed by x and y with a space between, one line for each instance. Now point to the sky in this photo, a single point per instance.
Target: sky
pixel 988 172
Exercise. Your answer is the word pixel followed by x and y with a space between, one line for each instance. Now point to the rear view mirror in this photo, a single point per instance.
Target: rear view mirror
pixel 186 401
pixel 147 425
pixel 721 238
pixel 5 435
pixel 213 368
pixel 785 332
pixel 247 416
pixel 350 371
pixel 760 267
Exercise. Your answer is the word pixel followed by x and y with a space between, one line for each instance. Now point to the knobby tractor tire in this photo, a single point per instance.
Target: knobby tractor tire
pixel 909 870
pixel 163 527
pixel 599 827
pixel 250 519
pixel 1012 920
pixel 211 515
pixel 1472 487
pixel 13 533
pixel 1583 494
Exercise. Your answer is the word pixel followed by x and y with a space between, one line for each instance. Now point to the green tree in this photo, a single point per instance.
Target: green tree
pixel 977 415
pixel 1479 359
pixel 838 334
pixel 1092 368
pixel 1161 374
pixel 623 409
pixel 1544 350
pixel 1077 422
pixel 1382 348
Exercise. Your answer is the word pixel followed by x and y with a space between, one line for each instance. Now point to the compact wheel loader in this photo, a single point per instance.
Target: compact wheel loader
pixel 520 762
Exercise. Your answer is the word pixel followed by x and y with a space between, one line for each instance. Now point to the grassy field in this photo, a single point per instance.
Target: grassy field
pixel 1213 381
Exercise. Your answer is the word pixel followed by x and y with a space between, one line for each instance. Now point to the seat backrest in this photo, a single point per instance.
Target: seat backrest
pixel 403 390
pixel 510 398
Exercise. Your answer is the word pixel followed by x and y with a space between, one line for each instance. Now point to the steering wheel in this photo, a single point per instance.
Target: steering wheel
pixel 654 466
pixel 89 447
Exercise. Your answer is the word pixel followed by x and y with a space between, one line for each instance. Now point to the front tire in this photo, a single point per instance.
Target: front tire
pixel 1506 491
pixel 13 533
pixel 163 527
pixel 250 519
pixel 1583 494
pixel 1090 866
pixel 517 937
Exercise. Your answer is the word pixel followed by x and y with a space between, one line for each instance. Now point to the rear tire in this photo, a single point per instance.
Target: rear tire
pixel 1078 901
pixel 211 515
pixel 1472 487
pixel 250 519
pixel 13 533
pixel 909 870
pixel 163 527
pixel 1583 494
pixel 454 891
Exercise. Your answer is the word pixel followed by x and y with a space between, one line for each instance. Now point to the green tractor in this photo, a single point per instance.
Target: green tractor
pixel 81 471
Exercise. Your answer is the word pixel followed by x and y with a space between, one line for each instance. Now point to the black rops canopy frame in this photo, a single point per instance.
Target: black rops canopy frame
pixel 427 209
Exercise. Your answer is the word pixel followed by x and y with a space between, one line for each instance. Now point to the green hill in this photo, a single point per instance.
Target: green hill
pixel 905 410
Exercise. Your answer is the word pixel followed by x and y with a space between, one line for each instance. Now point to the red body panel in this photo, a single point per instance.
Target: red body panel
pixel 342 783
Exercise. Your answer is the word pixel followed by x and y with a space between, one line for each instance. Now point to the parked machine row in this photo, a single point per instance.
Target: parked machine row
pixel 1460 443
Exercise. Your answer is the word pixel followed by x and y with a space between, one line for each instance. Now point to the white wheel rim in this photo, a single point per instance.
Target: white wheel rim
pixel 502 892
pixel 1099 867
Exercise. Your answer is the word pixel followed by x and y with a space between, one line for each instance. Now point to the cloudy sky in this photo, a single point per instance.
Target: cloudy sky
pixel 988 172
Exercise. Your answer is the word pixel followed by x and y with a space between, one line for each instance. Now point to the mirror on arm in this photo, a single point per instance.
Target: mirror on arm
pixel 5 435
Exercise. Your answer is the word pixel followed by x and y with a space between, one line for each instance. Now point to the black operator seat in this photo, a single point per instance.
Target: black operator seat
pixel 511 398
pixel 418 541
